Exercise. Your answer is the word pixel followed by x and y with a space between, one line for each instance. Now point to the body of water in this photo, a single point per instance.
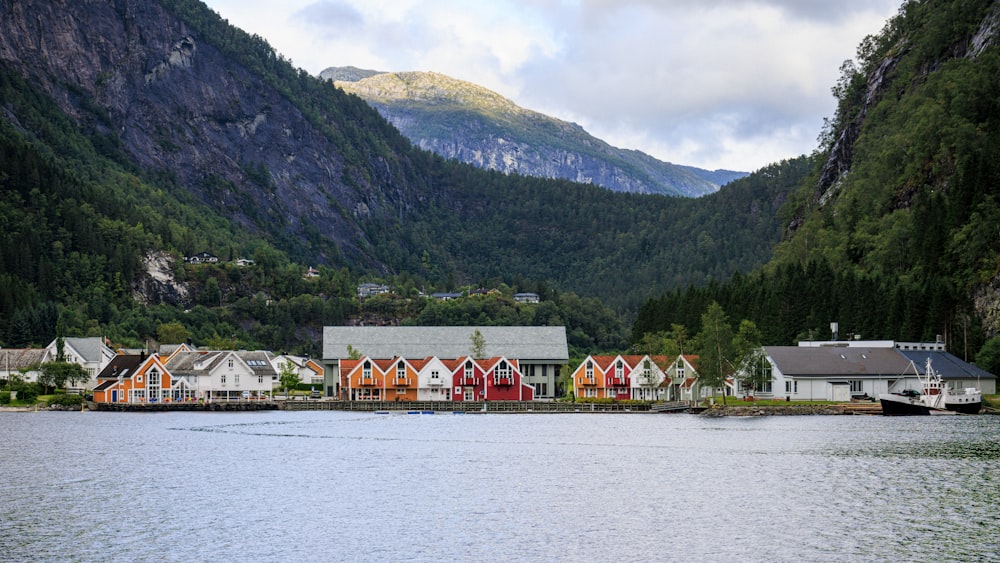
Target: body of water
pixel 336 486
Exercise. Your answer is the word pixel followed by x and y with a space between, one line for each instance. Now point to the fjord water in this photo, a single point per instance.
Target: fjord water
pixel 336 486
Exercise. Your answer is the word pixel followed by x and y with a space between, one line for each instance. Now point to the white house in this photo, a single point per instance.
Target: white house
pixel 308 370
pixel 224 375
pixel 434 379
pixel 841 371
pixel 647 379
pixel 91 353
pixel 370 289
pixel 20 363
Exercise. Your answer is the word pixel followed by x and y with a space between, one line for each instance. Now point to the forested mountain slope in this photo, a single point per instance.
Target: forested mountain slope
pixel 464 121
pixel 138 131
pixel 897 233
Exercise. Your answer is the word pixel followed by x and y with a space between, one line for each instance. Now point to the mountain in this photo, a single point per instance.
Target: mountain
pixel 136 132
pixel 460 120
pixel 896 232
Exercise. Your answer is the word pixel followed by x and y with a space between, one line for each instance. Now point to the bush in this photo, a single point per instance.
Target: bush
pixel 27 392
pixel 66 400
pixel 4 397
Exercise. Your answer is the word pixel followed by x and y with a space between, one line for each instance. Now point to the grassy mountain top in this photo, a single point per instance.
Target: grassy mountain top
pixel 461 120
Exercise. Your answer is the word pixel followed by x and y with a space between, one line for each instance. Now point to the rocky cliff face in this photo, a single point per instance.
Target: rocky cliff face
pixel 459 120
pixel 130 70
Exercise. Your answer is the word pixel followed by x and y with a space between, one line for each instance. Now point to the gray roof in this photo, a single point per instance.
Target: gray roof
pixel 948 365
pixel 837 361
pixel 184 362
pixel 90 348
pixel 542 343
pixel 258 360
pixel 17 358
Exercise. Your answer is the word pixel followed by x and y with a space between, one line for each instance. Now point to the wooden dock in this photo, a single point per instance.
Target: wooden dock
pixel 469 407
pixel 214 406
pixel 676 406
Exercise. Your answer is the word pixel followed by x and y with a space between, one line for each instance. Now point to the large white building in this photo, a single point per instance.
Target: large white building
pixel 840 371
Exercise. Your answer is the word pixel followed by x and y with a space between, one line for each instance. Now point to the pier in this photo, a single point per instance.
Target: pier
pixel 185 406
pixel 462 406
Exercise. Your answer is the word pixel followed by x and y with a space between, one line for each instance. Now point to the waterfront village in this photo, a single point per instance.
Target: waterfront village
pixel 480 364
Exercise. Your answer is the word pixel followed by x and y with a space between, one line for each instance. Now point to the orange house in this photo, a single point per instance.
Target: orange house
pixel 590 378
pixel 139 378
pixel 369 379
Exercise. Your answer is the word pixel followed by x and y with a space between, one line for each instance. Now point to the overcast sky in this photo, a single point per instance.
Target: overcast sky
pixel 710 83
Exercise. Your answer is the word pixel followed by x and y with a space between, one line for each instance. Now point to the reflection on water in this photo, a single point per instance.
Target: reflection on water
pixel 569 487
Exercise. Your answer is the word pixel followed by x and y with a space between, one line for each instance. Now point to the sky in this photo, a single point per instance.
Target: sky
pixel 733 84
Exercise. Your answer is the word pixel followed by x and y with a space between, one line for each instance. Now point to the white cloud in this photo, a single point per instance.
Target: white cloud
pixel 718 84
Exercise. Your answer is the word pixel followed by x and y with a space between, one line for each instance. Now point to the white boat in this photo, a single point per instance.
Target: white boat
pixel 935 397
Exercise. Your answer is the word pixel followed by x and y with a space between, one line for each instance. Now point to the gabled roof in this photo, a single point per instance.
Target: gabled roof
pixel 91 349
pixel 122 365
pixel 258 361
pixel 489 363
pixel 194 363
pixel 106 384
pixel 535 343
pixel 948 365
pixel 798 361
pixel 13 359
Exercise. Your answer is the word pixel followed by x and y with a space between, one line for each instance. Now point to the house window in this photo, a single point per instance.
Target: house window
pixel 503 371
pixel 680 369
pixel 153 379
pixel 791 386
pixel 590 370
pixel 590 392
pixel 400 391
pixel 435 375
pixel 468 369
pixel 400 371
pixel 366 371
pixel 856 386
pixel 222 379
pixel 230 362
pixel 236 379
pixel 619 370
pixel 260 379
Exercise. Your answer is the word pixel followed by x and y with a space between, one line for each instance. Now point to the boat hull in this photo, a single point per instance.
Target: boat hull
pixel 903 407
pixel 965 408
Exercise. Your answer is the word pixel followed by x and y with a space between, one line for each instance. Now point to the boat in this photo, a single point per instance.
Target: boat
pixel 934 398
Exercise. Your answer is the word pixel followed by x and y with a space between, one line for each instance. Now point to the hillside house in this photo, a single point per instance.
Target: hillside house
pixel 202 258
pixel 372 289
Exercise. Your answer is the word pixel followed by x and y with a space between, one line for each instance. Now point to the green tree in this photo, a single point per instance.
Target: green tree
pixel 988 357
pixel 289 377
pixel 353 353
pixel 478 348
pixel 172 333
pixel 717 349
pixel 58 374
